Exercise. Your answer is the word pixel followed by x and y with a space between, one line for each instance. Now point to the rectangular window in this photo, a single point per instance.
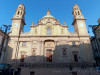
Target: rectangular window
pixel 64 51
pixel 23 43
pixel 49 31
pixel 73 43
pixel 33 53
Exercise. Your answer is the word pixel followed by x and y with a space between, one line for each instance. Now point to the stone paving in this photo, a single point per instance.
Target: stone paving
pixel 59 71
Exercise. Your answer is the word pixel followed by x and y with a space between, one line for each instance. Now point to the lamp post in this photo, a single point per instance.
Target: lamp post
pixel 7 27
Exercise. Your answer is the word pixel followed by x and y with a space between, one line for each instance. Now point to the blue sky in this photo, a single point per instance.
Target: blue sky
pixel 60 9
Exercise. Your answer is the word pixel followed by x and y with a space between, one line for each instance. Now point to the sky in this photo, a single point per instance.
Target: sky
pixel 60 9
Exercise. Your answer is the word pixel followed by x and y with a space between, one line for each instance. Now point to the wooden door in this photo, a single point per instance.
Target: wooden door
pixel 49 55
pixel 22 58
pixel 75 58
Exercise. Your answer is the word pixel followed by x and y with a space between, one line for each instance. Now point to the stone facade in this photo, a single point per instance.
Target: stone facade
pixel 95 42
pixel 49 41
pixel 3 45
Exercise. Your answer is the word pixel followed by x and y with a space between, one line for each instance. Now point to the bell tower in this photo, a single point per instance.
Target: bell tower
pixel 18 21
pixel 79 21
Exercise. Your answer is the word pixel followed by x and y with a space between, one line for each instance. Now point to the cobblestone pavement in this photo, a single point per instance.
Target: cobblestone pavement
pixel 58 71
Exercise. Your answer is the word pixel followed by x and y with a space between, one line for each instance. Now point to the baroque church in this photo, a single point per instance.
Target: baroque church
pixel 49 41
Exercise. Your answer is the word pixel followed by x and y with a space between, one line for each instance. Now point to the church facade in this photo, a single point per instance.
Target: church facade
pixel 49 41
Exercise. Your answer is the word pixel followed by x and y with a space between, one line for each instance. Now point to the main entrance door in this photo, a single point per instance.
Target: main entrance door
pixel 22 58
pixel 49 55
pixel 75 58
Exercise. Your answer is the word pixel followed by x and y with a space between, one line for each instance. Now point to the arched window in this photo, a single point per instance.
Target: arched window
pixel 21 13
pixel 34 53
pixel 18 12
pixel 75 13
pixel 78 13
pixel 49 31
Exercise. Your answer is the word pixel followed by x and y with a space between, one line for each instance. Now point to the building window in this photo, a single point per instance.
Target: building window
pixel 78 13
pixel 19 7
pixel 73 43
pixel 21 13
pixel 49 31
pixel 64 51
pixel 75 13
pixel 33 53
pixel 24 44
pixel 18 12
pixel 35 31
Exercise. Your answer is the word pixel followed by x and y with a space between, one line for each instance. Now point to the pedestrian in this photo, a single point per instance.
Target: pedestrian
pixel 70 67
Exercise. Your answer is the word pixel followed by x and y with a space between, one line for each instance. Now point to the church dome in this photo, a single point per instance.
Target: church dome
pixel 48 15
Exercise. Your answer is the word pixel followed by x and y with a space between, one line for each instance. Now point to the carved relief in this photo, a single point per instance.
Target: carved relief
pixel 45 21
pixel 49 44
pixel 34 44
pixel 62 42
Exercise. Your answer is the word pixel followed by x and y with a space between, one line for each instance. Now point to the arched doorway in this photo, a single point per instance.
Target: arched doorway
pixel 49 47
pixel 23 55
pixel 75 56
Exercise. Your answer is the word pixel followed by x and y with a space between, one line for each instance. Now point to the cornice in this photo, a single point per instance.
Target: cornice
pixel 52 24
pixel 69 36
pixel 78 19
pixel 19 19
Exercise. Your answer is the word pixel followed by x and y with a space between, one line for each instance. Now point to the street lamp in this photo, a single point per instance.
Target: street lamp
pixel 7 27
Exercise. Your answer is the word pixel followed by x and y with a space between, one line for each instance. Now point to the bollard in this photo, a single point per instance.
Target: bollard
pixel 32 73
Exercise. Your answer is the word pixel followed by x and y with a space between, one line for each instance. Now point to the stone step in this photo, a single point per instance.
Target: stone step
pixel 52 65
